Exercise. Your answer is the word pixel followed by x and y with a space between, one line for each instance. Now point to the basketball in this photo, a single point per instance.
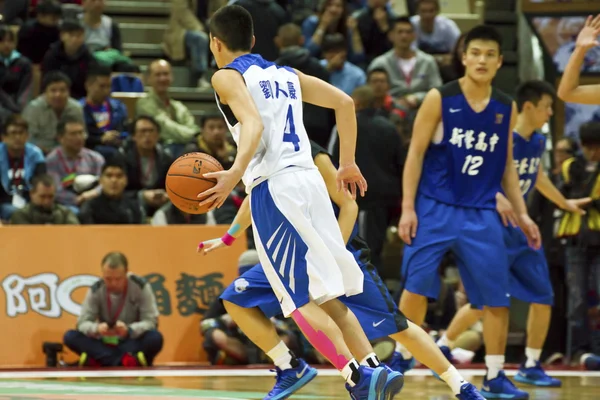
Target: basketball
pixel 185 181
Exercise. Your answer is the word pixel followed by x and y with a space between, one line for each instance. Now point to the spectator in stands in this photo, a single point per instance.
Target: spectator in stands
pixel 333 18
pixel 177 125
pixel 379 80
pixel 380 156
pixel 14 12
pixel 436 34
pixel 53 105
pixel 70 56
pixel 455 68
pixel 269 17
pixel 19 163
pixel 412 72
pixel 105 117
pixel 171 215
pixel 71 163
pixel 112 206
pixel 374 24
pixel 16 75
pixel 564 149
pixel 118 321
pixel 343 74
pixel 37 35
pixel 101 31
pixel 147 164
pixel 318 121
pixel 185 35
pixel 42 208
pixel 213 140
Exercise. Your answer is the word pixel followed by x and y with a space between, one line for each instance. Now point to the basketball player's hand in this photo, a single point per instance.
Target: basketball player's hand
pixel 574 205
pixel 210 245
pixel 531 231
pixel 216 195
pixel 588 37
pixel 350 176
pixel 407 227
pixel 506 211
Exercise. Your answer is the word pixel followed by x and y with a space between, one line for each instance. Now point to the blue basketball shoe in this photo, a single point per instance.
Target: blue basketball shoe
pixel 394 384
pixel 469 392
pixel 371 385
pixel 291 380
pixel 502 388
pixel 397 363
pixel 536 376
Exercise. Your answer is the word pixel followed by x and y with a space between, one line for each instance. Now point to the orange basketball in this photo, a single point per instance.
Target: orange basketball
pixel 185 181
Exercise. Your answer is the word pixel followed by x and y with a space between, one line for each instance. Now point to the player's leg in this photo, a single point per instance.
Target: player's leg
pixel 421 262
pixel 483 265
pixel 250 301
pixel 291 251
pixel 464 318
pixel 530 282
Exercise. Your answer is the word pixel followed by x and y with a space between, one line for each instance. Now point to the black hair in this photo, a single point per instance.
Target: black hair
pixel 43 179
pixel 334 42
pixel 485 33
pixel 378 71
pixel 114 260
pixel 533 91
pixel 71 25
pixel 114 162
pixel 98 71
pixel 233 26
pixel 55 77
pixel 403 19
pixel 212 115
pixel 49 7
pixel 7 33
pixel 61 127
pixel 139 118
pixel 589 134
pixel 15 120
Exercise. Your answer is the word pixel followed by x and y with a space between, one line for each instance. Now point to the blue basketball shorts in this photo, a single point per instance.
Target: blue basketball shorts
pixel 298 240
pixel 374 308
pixel 474 236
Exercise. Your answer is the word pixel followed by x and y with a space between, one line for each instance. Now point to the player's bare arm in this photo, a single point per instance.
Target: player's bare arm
pixel 510 184
pixel 320 93
pixel 426 123
pixel 232 91
pixel 348 207
pixel 545 186
pixel 569 89
pixel 241 222
pixel 506 211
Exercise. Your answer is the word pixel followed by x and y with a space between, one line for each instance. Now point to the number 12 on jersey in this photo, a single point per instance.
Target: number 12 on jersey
pixel 472 164
pixel 289 132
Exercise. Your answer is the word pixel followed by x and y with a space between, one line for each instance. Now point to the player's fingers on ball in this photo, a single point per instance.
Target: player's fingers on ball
pixel 207 200
pixel 207 192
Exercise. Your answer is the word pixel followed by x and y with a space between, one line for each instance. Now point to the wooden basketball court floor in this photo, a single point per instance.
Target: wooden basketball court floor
pixel 233 384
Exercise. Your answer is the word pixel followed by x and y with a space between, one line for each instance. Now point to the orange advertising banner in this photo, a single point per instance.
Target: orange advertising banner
pixel 45 272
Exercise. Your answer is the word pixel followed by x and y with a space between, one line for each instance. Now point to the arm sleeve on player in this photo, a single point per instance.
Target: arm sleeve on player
pixel 87 323
pixel 148 313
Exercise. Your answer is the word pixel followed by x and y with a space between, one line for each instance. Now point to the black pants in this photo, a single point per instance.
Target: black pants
pixel 372 226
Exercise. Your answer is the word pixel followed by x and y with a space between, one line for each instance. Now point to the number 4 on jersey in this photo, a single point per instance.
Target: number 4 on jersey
pixel 289 132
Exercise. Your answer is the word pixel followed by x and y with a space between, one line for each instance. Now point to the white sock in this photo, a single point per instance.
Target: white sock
pixel 407 355
pixel 281 356
pixel 533 356
pixel 453 378
pixel 370 361
pixel 444 341
pixel 350 373
pixel 494 365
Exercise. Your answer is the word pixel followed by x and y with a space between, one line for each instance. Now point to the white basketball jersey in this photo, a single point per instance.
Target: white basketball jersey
pixel 278 97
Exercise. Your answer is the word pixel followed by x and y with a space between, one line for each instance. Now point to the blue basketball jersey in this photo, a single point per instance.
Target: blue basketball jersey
pixel 527 155
pixel 465 168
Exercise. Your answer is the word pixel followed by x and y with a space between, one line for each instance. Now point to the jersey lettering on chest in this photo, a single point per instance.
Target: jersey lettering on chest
pixel 287 91
pixel 480 143
pixel 527 168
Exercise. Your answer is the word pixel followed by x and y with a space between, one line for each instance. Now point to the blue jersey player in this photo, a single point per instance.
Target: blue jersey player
pixel 529 276
pixel 249 300
pixel 459 158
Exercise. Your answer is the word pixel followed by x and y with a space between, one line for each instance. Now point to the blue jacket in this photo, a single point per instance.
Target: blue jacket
pixel 33 156
pixel 118 120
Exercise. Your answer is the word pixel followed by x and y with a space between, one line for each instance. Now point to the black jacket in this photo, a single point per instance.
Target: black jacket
pixel 16 81
pixel 318 121
pixel 35 39
pixel 108 211
pixel 131 157
pixel 75 67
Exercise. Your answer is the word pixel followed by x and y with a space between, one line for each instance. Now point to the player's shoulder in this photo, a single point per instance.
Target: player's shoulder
pixel 450 89
pixel 254 62
pixel 538 139
pixel 501 97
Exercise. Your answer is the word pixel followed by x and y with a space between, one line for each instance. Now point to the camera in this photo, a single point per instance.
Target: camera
pixel 51 349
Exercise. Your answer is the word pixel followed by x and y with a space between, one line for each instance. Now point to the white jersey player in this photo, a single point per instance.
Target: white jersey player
pixel 297 237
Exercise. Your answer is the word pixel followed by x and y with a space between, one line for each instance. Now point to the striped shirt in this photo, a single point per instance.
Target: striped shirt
pixel 64 170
